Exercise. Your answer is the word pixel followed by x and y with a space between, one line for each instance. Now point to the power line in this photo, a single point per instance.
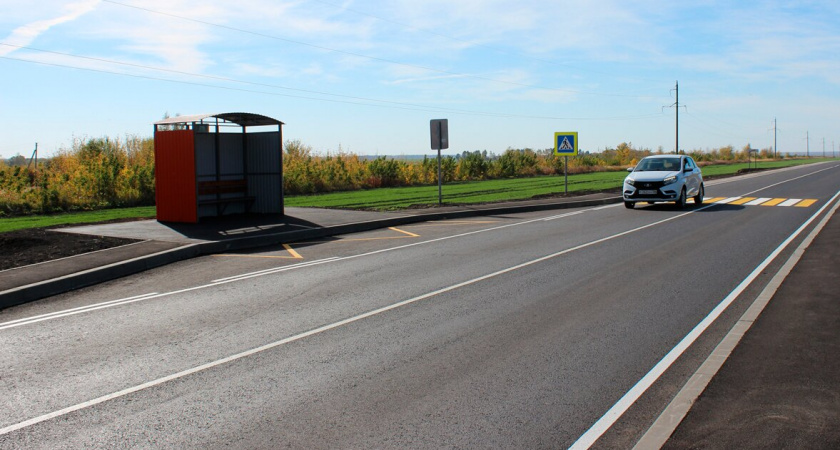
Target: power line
pixel 716 129
pixel 372 58
pixel 378 103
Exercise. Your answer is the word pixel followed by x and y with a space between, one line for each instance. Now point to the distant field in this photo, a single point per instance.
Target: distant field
pixel 400 198
pixel 495 190
pixel 459 193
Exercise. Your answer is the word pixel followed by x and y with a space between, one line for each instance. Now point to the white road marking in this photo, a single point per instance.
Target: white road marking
pixel 74 311
pixel 790 202
pixel 727 200
pixel 297 337
pixel 561 216
pixel 586 440
pixel 670 418
pixel 611 416
pixel 758 201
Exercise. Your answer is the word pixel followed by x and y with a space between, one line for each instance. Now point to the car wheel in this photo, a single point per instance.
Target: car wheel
pixel 681 201
pixel 698 199
pixel 629 205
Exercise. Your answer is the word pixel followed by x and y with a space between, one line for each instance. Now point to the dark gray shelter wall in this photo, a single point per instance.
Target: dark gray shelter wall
pixel 226 164
pixel 265 179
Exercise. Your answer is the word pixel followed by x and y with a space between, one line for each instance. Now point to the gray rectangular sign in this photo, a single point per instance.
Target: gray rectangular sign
pixel 440 133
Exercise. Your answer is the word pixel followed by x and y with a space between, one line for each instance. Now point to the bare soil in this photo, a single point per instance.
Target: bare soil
pixel 24 247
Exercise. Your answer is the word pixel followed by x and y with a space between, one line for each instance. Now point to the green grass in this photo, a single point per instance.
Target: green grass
pixel 385 199
pixel 728 169
pixel 459 193
pixel 103 215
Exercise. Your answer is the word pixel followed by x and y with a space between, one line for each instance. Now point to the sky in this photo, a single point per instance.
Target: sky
pixel 367 76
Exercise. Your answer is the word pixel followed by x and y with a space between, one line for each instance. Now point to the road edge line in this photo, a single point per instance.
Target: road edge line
pixel 673 414
pixel 608 419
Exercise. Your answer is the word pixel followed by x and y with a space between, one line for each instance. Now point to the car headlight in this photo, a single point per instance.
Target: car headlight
pixel 669 180
pixel 630 181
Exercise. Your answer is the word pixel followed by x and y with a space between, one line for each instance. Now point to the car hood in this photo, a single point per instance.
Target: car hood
pixel 658 175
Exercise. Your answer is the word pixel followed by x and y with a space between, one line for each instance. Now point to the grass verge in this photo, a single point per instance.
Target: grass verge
pixel 385 199
pixel 52 220
pixel 401 198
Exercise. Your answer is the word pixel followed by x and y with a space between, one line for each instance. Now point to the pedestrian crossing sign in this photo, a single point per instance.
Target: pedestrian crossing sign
pixel 566 143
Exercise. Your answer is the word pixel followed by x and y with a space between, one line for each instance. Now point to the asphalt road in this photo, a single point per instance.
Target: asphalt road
pixel 520 331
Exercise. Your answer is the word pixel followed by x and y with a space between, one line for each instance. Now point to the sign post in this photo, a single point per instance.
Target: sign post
pixel 440 139
pixel 566 143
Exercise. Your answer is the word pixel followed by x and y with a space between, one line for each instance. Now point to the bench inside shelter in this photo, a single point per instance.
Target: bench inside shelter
pixel 223 192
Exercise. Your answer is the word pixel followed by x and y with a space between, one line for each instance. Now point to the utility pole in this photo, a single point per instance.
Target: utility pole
pixel 807 144
pixel 34 157
pixel 775 148
pixel 677 121
pixel 823 147
pixel 676 106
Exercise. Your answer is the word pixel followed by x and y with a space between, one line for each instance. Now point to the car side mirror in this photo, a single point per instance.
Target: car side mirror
pixel 630 169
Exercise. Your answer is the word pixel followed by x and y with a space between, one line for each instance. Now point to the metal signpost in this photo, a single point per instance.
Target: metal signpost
pixel 566 143
pixel 440 140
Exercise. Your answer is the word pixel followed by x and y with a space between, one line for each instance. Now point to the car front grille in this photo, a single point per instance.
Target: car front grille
pixel 649 184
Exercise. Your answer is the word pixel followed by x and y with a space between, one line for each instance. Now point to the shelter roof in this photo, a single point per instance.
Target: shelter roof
pixel 240 118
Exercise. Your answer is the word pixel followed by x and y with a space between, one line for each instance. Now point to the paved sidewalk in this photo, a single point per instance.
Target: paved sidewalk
pixel 166 243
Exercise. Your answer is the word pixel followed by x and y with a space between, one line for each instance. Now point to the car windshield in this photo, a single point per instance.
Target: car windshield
pixel 658 165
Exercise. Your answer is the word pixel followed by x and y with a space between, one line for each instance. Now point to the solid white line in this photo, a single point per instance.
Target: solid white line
pixel 274 270
pixel 319 330
pixel 246 276
pixel 675 412
pixel 789 180
pixel 606 207
pixel 73 311
pixel 611 416
pixel 561 216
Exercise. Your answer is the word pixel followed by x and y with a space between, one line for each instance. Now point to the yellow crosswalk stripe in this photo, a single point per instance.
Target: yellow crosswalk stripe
pixel 806 203
pixel 773 202
pixel 742 200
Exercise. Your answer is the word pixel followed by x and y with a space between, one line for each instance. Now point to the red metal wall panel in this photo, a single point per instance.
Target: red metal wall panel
pixel 175 184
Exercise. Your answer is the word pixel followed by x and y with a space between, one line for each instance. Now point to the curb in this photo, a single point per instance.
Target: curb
pixel 37 291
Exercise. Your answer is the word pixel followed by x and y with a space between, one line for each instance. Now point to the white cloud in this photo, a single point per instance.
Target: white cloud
pixel 26 34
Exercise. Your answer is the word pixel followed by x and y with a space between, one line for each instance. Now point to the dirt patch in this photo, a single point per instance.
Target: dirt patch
pixel 24 247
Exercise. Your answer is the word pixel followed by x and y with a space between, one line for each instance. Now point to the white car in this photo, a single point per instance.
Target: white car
pixel 664 178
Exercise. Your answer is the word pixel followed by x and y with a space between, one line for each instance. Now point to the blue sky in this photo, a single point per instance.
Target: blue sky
pixel 367 76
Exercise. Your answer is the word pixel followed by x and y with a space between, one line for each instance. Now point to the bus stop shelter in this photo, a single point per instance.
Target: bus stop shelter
pixel 210 165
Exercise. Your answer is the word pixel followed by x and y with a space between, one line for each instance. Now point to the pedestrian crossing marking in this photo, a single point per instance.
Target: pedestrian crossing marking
pixel 773 202
pixel 763 201
pixel 758 201
pixel 742 200
pixel 790 202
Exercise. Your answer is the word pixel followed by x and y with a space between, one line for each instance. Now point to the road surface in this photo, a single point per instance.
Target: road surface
pixel 535 330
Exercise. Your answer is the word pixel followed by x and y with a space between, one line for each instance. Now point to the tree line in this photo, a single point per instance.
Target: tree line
pixel 100 173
